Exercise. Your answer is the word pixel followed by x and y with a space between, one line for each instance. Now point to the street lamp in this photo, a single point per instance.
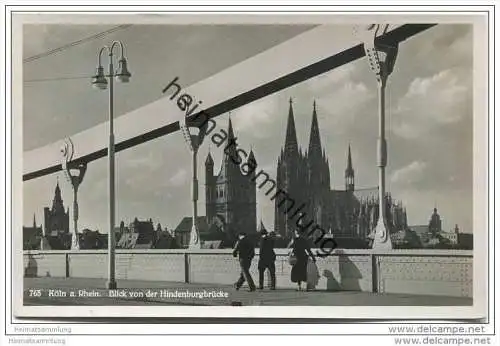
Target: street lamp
pixel 382 58
pixel 100 81
pixel 193 135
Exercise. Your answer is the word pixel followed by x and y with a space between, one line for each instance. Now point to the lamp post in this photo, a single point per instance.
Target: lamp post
pixel 193 135
pixel 75 179
pixel 101 82
pixel 382 58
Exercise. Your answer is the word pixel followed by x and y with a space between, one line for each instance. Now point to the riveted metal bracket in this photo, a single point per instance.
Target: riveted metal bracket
pixel 381 56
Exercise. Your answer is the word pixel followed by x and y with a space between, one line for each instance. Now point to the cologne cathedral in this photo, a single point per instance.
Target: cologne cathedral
pixel 305 176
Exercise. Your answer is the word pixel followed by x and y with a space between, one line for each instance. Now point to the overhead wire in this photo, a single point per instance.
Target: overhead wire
pixel 55 79
pixel 67 46
pixel 76 43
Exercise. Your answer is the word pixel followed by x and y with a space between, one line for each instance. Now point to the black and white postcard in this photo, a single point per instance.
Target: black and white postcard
pixel 327 165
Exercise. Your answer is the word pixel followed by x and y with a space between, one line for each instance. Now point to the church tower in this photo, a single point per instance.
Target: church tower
pixel 231 195
pixel 229 168
pixel 226 183
pixel 349 173
pixel 56 218
pixel 57 202
pixel 435 223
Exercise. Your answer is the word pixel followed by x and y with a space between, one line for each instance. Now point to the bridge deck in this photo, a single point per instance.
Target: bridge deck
pixel 266 297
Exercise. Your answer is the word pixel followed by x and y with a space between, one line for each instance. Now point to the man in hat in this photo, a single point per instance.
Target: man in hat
pixel 267 257
pixel 244 249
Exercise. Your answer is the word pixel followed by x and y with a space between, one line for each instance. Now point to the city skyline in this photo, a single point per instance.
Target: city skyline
pixel 430 114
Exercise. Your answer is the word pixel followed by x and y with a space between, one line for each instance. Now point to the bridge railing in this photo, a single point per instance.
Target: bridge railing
pixel 426 272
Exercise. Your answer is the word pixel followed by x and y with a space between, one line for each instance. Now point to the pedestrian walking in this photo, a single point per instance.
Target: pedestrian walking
pixel 301 251
pixel 244 250
pixel 267 257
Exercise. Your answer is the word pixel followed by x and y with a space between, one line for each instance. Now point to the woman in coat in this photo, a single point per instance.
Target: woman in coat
pixel 302 251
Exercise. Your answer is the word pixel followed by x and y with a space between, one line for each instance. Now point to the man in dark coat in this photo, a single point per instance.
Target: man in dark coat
pixel 244 249
pixel 267 258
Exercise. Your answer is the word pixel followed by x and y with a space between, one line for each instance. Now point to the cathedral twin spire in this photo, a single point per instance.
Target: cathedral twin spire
pixel 315 154
pixel 291 143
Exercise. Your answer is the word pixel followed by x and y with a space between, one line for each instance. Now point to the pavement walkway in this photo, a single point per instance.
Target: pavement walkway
pixel 83 291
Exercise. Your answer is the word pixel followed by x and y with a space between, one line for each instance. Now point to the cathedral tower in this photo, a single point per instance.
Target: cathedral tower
pixel 318 176
pixel 305 178
pixel 290 178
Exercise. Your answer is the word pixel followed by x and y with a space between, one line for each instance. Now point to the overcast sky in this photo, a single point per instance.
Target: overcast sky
pixel 429 118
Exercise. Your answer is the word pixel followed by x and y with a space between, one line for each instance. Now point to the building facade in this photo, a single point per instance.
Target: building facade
pixel 449 237
pixel 305 176
pixel 211 235
pixel 92 240
pixel 138 235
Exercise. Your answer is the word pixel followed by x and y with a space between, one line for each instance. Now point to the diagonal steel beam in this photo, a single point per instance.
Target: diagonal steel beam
pixel 279 72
